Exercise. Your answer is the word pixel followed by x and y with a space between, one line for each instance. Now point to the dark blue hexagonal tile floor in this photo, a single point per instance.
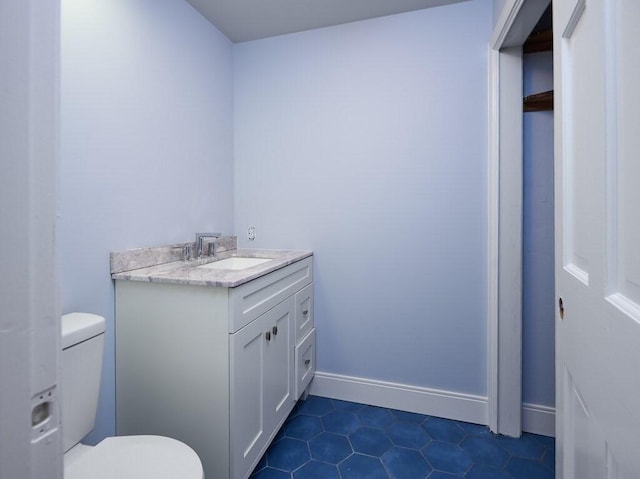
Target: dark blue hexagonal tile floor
pixel 330 439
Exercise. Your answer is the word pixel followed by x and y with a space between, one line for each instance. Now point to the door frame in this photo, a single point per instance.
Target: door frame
pixel 504 229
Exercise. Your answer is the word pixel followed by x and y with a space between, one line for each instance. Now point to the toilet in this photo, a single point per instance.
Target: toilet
pixel 122 457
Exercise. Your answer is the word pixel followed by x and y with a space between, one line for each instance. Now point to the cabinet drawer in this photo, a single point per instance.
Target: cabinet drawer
pixel 305 357
pixel 304 312
pixel 250 300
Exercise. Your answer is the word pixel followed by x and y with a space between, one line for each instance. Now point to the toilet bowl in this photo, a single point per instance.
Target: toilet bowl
pixel 122 457
pixel 137 457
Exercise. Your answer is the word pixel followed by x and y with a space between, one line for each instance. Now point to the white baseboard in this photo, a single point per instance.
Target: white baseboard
pixel 432 402
pixel 536 419
pixel 539 419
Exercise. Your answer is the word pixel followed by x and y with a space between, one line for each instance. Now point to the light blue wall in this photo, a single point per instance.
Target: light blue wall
pixel 366 142
pixel 538 299
pixel 146 144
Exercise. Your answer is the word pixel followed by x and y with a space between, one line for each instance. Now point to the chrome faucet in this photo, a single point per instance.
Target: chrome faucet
pixel 210 238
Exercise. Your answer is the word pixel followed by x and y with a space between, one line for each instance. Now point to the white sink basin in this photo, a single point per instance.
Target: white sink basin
pixel 235 263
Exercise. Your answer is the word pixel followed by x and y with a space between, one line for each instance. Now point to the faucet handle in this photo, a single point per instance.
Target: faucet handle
pixel 187 252
pixel 211 248
pixel 200 237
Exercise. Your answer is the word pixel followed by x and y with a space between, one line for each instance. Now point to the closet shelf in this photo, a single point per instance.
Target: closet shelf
pixel 538 102
pixel 541 41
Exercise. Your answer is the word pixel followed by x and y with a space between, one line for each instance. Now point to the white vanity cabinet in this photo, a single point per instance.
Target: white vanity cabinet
pixel 218 368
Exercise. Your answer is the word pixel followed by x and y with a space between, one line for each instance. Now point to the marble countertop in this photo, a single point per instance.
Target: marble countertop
pixel 182 272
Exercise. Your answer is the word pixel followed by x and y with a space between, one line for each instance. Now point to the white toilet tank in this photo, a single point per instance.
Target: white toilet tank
pixel 82 347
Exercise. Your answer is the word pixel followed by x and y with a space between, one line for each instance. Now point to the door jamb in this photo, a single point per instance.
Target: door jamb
pixel 504 269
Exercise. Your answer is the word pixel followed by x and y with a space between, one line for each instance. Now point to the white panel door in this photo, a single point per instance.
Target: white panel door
pixel 597 74
pixel 30 432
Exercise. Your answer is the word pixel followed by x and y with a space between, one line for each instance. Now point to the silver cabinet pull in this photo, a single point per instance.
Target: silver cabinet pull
pixel 305 312
pixel 275 330
pixel 307 362
pixel 267 335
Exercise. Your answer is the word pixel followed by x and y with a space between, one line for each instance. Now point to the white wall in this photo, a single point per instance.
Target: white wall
pixel 366 142
pixel 146 144
pixel 538 298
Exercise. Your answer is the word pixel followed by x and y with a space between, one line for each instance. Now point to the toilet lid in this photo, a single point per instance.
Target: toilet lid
pixel 137 457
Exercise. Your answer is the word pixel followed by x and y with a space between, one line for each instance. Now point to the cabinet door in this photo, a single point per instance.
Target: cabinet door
pixel 278 364
pixel 261 384
pixel 247 377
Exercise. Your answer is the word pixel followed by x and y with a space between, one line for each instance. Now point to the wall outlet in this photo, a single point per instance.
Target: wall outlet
pixel 251 233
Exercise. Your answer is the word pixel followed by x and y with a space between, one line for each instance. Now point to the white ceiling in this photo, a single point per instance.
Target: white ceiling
pixel 244 20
